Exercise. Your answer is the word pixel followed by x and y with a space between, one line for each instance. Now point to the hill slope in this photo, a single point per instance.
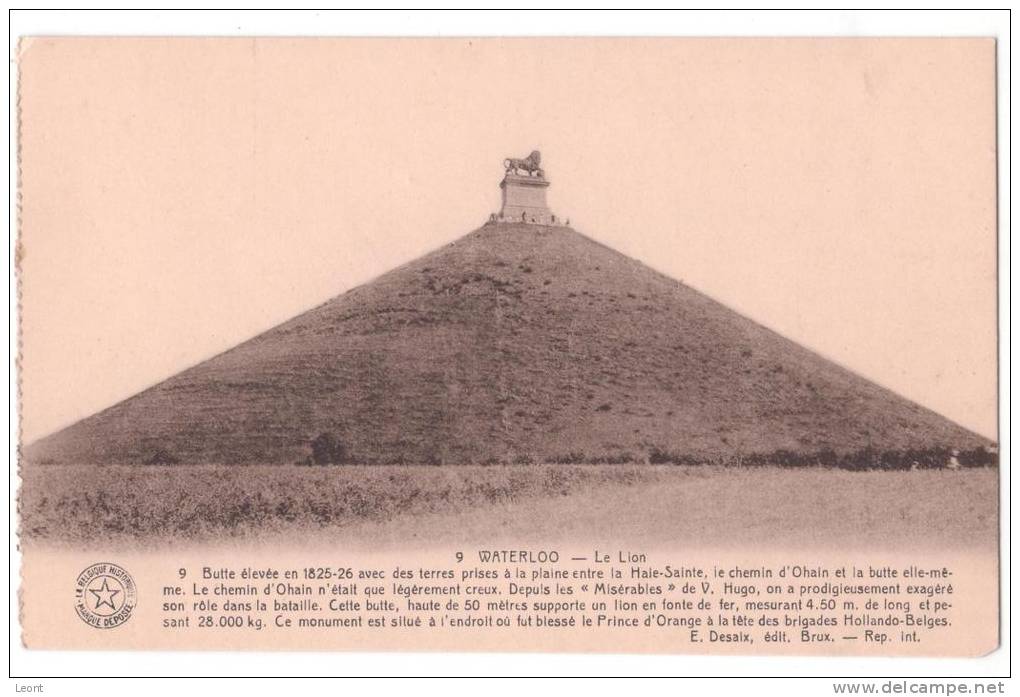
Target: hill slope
pixel 514 341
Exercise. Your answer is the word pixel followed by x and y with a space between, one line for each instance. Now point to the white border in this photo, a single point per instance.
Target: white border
pixel 558 23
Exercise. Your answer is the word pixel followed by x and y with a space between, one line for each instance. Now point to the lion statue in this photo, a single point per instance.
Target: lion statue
pixel 529 165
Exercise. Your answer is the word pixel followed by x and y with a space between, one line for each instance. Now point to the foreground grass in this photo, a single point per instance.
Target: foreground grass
pixel 77 502
pixel 704 505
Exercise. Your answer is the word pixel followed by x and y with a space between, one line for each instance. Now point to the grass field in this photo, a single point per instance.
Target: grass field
pixel 393 505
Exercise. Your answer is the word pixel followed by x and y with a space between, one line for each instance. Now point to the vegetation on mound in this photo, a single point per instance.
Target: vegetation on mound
pixel 514 342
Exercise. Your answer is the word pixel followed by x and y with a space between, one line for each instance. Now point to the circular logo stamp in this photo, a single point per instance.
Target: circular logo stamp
pixel 104 595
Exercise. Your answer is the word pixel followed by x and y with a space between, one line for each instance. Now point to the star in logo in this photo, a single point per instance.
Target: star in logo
pixel 104 595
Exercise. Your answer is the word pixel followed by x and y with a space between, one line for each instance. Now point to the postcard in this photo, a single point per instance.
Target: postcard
pixel 628 345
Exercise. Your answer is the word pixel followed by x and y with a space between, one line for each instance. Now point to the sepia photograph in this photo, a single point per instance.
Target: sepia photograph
pixel 570 344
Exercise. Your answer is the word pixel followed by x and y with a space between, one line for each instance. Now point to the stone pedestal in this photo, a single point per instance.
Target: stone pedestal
pixel 524 200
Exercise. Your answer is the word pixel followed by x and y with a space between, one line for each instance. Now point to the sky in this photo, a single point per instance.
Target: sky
pixel 179 196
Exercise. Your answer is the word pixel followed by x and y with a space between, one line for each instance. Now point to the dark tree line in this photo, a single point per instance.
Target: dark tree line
pixel 328 449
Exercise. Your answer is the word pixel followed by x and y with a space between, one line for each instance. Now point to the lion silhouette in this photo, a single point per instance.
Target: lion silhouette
pixel 530 165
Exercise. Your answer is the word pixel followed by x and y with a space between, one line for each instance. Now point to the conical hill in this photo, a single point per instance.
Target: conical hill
pixel 516 342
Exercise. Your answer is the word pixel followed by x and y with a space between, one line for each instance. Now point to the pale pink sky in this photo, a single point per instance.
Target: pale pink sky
pixel 182 195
